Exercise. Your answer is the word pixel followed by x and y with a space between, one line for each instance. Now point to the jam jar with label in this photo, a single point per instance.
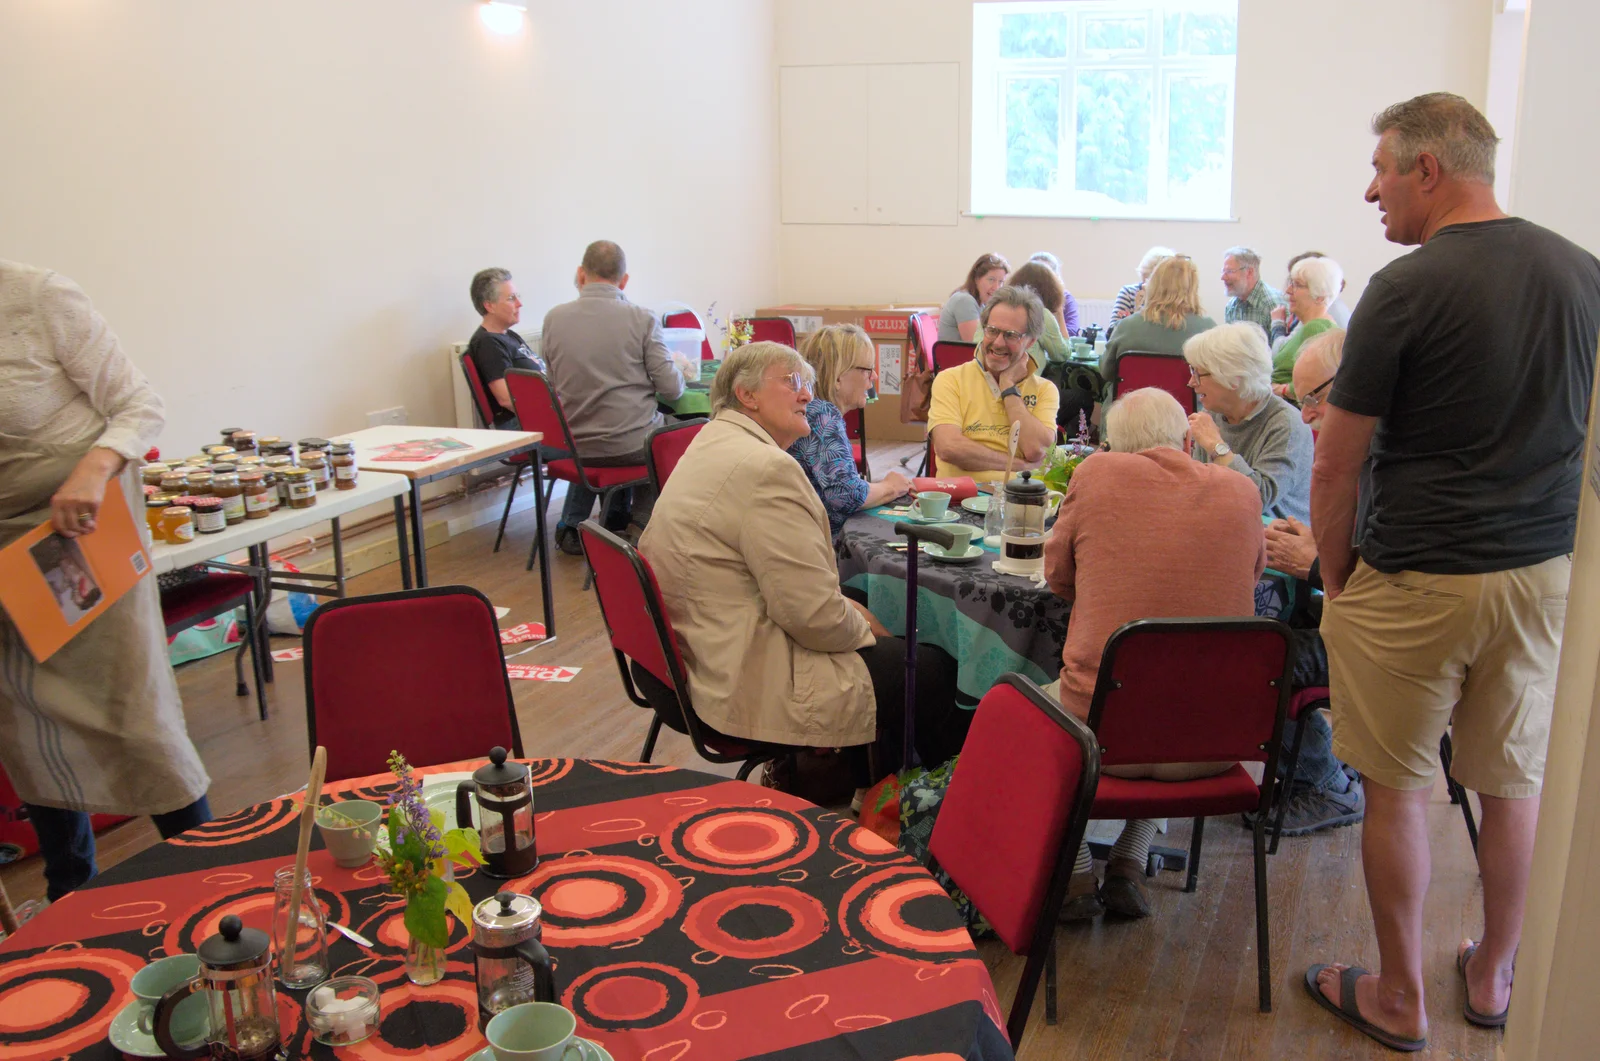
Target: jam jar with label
pixel 225 485
pixel 257 503
pixel 277 465
pixel 177 524
pixel 208 517
pixel 245 442
pixel 342 456
pixel 315 461
pixel 154 505
pixel 302 492
pixel 152 474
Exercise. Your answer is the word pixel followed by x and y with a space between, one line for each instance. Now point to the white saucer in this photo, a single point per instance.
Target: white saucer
pixel 126 1037
pixel 973 552
pixel 592 1051
pixel 977 505
pixel 948 517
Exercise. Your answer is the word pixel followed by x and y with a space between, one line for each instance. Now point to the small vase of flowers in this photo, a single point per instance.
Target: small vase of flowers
pixel 419 860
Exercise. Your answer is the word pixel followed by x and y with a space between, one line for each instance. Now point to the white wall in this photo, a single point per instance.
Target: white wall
pixel 278 206
pixel 1310 78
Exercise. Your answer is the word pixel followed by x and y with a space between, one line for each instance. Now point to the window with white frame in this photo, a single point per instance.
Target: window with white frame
pixel 1104 108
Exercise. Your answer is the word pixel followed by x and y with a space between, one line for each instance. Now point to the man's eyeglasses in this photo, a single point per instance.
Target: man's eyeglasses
pixel 1314 397
pixel 993 334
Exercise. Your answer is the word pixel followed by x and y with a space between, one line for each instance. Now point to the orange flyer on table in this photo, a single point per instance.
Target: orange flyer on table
pixel 53 587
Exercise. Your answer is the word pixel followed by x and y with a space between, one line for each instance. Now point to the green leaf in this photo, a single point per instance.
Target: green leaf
pixel 458 902
pixel 425 914
pixel 461 845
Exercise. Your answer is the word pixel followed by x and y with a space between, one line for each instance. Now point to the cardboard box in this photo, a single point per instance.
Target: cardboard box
pixel 886 325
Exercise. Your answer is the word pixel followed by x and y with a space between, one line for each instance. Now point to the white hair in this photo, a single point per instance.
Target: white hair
pixel 747 367
pixel 1147 418
pixel 1152 258
pixel 1046 258
pixel 1324 350
pixel 1322 276
pixel 1236 356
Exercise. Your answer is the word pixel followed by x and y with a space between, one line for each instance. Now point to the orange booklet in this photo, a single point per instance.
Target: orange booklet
pixel 53 587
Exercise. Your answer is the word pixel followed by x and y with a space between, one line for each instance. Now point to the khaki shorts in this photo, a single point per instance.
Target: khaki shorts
pixel 1408 651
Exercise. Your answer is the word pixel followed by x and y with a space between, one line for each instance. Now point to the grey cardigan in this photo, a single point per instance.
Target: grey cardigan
pixel 1273 448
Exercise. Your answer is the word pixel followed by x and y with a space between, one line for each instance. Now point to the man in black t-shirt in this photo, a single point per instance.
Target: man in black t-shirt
pixel 1467 375
pixel 494 347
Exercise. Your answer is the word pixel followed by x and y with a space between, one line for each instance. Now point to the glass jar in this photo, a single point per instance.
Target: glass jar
pixel 424 963
pixel 343 1011
pixel 315 461
pixel 225 485
pixel 267 445
pixel 152 474
pixel 208 517
pixel 302 954
pixel 199 484
pixel 343 459
pixel 299 490
pixel 177 524
pixel 174 483
pixel 253 487
pixel 222 468
pixel 218 453
pixel 245 442
pixel 154 505
pixel 227 434
pixel 277 464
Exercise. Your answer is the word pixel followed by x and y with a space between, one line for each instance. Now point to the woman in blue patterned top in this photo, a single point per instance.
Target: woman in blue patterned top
pixel 846 366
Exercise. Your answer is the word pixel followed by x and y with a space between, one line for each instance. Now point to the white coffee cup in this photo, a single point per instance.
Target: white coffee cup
pixel 534 1031
pixel 963 533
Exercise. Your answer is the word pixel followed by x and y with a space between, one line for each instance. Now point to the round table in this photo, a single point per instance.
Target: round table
pixel 989 622
pixel 689 915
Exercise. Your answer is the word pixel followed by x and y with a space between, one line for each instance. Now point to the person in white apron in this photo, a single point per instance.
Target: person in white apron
pixel 98 727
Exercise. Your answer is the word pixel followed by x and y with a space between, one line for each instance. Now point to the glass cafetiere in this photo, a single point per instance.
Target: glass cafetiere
pixel 1022 535
pixel 505 812
pixel 510 965
pixel 236 977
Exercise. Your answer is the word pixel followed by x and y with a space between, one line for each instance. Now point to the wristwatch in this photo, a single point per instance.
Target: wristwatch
pixel 1010 392
pixel 1221 449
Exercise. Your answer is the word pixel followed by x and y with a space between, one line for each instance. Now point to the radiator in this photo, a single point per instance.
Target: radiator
pixel 1095 311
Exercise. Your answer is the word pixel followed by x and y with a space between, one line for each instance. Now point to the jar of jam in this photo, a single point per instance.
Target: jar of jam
pixel 154 505
pixel 301 492
pixel 208 517
pixel 199 484
pixel 244 442
pixel 342 457
pixel 225 485
pixel 315 461
pixel 218 453
pixel 257 505
pixel 152 474
pixel 177 524
pixel 312 443
pixel 222 468
pixel 227 434
pixel 174 482
pixel 276 448
pixel 277 465
pixel 266 442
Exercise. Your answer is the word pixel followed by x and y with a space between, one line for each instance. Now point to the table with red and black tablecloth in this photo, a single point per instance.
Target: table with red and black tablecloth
pixel 690 917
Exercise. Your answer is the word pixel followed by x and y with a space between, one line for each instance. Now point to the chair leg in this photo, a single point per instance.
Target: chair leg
pixel 1050 981
pixel 1027 988
pixel 1458 794
pixel 239 687
pixel 256 638
pixel 1282 802
pixel 747 766
pixel 1263 931
pixel 516 478
pixel 1198 834
pixel 650 739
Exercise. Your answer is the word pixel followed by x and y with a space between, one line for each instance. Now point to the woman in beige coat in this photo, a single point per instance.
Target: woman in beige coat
pixel 741 547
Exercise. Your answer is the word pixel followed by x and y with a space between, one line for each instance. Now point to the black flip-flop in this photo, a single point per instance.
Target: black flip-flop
pixel 1472 1015
pixel 1348 1011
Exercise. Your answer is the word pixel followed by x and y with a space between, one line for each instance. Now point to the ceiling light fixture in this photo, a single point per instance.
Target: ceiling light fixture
pixel 503 16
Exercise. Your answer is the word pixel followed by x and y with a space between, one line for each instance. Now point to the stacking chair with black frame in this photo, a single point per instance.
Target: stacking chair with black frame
pixel 421 670
pixel 855 429
pixel 665 447
pixel 220 593
pixel 946 355
pixel 1302 702
pixel 648 659
pixel 688 318
pixel 1011 822
pixel 1168 372
pixel 483 405
pixel 539 409
pixel 1196 691
pixel 772 330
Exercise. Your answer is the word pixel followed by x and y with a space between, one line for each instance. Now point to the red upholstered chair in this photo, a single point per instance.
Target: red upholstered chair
pixel 1011 822
pixel 922 332
pixel 690 319
pixel 220 593
pixel 772 330
pixel 855 429
pixel 421 670
pixel 539 409
pixel 665 447
pixel 1168 372
pixel 483 405
pixel 946 355
pixel 652 669
pixel 1196 691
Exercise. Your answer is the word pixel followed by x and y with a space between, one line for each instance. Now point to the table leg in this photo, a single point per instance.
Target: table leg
pixel 261 559
pixel 400 535
pixel 338 557
pixel 418 539
pixel 542 546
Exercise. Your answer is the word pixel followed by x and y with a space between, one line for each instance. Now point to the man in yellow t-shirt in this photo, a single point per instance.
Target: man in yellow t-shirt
pixel 973 406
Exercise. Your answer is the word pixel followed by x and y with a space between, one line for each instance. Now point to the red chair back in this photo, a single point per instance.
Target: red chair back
pixel 689 319
pixel 666 447
pixel 630 604
pixel 922 332
pixel 539 408
pixel 1014 816
pixel 772 330
pixel 947 355
pixel 1168 372
pixel 421 670
pixel 1192 691
pixel 480 394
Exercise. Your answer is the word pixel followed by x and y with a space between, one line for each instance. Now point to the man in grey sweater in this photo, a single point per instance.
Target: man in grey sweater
pixel 607 362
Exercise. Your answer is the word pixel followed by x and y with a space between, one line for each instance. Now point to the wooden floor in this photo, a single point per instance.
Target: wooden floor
pixel 1181 984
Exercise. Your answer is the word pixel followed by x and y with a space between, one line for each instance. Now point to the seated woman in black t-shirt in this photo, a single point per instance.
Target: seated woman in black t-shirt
pixel 494 347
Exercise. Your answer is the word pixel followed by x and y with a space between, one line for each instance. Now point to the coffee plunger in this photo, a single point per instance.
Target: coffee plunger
pixel 505 806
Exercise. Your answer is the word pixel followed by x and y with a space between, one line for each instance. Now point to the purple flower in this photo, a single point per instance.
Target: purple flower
pixel 408 797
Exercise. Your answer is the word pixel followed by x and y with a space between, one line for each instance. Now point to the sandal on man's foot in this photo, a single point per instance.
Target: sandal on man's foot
pixel 1083 899
pixel 1482 1020
pixel 1349 1011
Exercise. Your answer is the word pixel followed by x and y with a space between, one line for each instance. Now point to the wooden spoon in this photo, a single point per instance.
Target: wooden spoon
pixel 308 816
pixel 1011 448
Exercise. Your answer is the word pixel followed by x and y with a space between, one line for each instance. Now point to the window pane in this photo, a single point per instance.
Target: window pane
pixel 1033 132
pixel 1033 36
pixel 1115 34
pixel 1197 132
pixel 1114 134
pixel 1188 33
